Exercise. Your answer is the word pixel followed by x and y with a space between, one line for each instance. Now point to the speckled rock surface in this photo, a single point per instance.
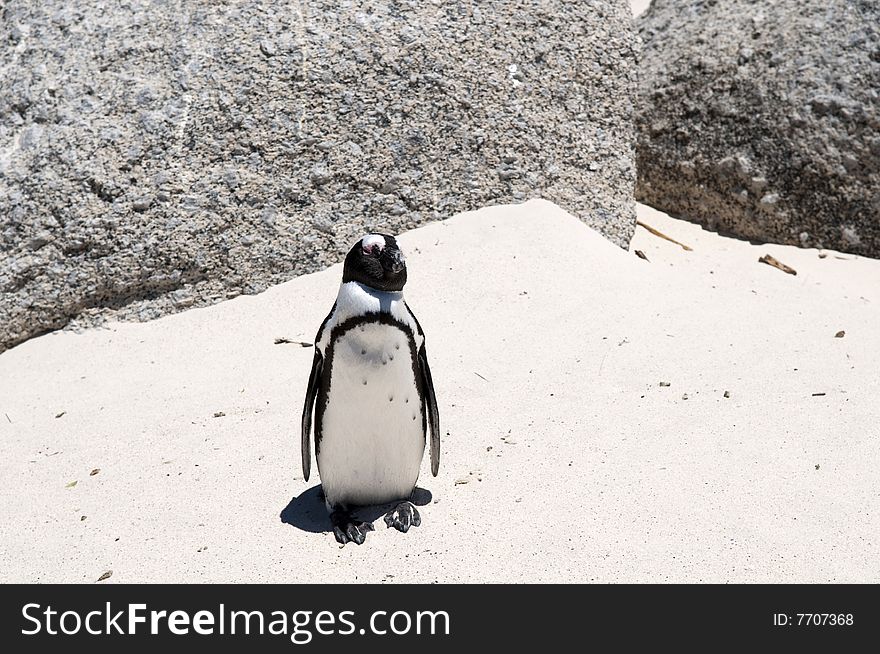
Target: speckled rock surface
pixel 156 156
pixel 762 119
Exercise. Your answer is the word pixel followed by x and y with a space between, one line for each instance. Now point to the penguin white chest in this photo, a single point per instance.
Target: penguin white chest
pixel 372 426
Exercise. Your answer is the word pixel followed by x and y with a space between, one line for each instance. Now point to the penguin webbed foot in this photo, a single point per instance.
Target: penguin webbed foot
pixel 403 516
pixel 348 530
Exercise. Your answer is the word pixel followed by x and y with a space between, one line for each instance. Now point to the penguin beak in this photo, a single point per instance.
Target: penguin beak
pixel 394 261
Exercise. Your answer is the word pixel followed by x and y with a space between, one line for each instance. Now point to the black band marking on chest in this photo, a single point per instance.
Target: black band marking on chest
pixel 340 330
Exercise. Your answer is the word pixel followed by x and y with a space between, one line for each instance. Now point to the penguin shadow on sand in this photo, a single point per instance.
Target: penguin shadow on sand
pixel 307 511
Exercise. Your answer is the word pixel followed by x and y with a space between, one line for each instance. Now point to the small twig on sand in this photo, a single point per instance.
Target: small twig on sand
pixel 480 376
pixel 770 261
pixel 8 418
pixel 818 394
pixel 602 362
pixel 656 232
pixel 281 340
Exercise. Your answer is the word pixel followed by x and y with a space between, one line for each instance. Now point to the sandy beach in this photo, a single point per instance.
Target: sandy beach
pixel 692 418
pixel 639 6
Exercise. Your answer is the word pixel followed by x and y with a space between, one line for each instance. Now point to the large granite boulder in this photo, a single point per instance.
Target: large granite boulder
pixel 156 156
pixel 762 119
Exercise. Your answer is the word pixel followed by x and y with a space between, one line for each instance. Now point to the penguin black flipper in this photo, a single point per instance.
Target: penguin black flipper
pixel 432 411
pixel 429 397
pixel 311 394
pixel 308 407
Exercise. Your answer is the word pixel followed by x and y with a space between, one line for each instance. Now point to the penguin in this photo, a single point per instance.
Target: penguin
pixel 371 393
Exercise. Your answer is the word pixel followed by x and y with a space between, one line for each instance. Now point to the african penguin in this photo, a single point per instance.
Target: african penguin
pixel 371 393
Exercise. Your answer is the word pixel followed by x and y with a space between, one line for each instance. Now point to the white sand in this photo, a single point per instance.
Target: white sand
pixel 639 6
pixel 579 466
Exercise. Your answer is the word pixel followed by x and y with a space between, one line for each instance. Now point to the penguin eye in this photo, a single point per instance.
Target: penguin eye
pixel 372 245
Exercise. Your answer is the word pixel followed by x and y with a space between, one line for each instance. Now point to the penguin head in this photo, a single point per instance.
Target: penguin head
pixel 376 261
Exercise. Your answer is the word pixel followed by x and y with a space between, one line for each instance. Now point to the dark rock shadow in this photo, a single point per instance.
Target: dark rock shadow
pixel 307 512
pixel 720 230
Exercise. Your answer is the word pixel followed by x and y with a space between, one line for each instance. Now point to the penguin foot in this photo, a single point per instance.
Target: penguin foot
pixel 403 516
pixel 348 530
